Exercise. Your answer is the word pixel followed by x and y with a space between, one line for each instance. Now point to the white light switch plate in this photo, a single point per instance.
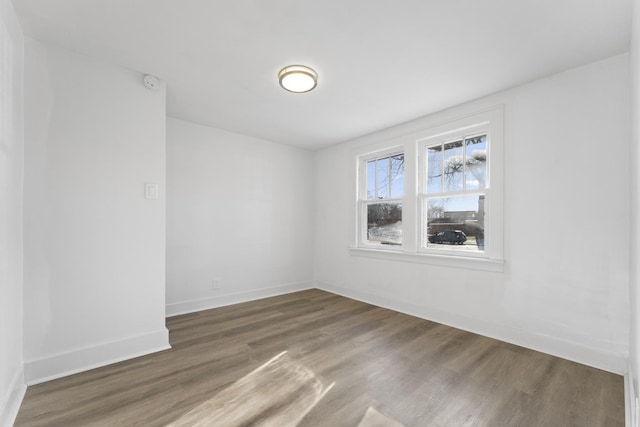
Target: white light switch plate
pixel 151 191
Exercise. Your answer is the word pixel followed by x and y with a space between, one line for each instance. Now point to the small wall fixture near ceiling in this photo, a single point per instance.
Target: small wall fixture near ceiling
pixel 298 78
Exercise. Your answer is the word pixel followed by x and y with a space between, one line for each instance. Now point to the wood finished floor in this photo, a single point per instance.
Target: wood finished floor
pixel 365 359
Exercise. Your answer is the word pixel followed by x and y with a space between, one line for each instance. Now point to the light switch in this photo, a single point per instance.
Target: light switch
pixel 151 191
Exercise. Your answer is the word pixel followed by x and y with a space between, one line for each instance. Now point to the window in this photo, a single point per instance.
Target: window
pixel 380 202
pixel 453 191
pixel 434 194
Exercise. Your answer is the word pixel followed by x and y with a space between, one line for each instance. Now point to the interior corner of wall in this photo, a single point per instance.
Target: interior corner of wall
pixel 631 397
pixel 11 401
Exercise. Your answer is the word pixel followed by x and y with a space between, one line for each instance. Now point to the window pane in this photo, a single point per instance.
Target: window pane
pixel 453 166
pixel 476 151
pixel 397 176
pixel 434 169
pixel 384 223
pixel 382 169
pixel 371 180
pixel 455 223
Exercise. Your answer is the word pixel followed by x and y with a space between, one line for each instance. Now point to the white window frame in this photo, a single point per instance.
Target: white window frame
pixel 424 195
pixel 363 200
pixel 413 144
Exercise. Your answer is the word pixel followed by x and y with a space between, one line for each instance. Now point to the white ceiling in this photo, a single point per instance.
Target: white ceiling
pixel 379 62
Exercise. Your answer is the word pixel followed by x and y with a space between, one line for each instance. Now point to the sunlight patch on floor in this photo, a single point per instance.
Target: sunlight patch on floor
pixel 375 418
pixel 277 394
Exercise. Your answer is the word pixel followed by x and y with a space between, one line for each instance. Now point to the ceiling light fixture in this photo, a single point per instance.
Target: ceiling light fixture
pixel 298 78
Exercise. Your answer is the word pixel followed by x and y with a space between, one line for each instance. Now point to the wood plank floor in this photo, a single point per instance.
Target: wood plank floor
pixel 316 359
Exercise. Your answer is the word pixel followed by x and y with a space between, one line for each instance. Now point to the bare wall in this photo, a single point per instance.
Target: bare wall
pixel 94 246
pixel 240 212
pixel 564 289
pixel 11 168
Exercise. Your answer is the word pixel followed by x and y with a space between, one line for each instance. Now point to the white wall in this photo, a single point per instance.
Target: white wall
pixel 565 286
pixel 94 246
pixel 11 167
pixel 634 279
pixel 240 210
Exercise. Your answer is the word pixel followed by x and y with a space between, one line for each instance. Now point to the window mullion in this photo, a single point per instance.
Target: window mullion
pixel 375 175
pixel 389 176
pixel 459 193
pixel 442 165
pixel 464 163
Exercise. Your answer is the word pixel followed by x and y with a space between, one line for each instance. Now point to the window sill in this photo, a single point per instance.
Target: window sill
pixel 483 264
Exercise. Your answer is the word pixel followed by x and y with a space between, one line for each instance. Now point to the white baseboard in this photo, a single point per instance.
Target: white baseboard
pixel 594 357
pixel 630 399
pixel 84 359
pixel 185 307
pixel 13 399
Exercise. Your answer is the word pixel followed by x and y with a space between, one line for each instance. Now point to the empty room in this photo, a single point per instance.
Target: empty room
pixel 293 213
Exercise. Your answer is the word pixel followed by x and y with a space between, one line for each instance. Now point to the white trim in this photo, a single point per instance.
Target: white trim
pixel 13 399
pixel 595 357
pixel 84 359
pixel 630 399
pixel 468 262
pixel 177 308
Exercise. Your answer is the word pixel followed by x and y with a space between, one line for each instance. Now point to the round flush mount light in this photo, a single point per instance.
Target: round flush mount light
pixel 298 78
